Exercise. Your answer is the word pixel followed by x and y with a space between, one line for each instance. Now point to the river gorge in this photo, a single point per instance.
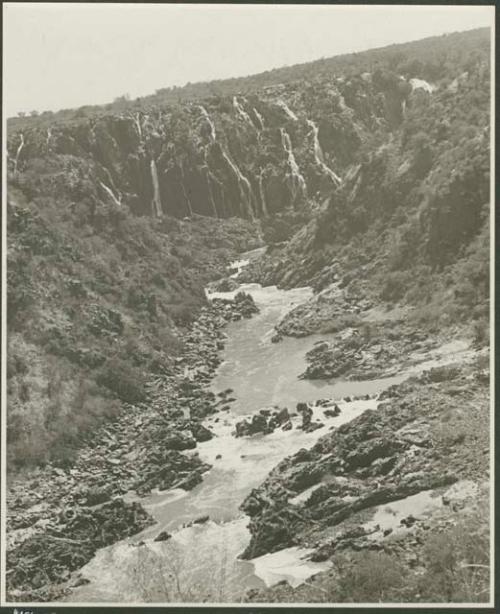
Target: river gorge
pixel 248 351
pixel 208 531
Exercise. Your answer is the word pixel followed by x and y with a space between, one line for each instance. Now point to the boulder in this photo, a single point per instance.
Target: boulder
pixel 258 424
pixel 163 536
pixel 227 284
pixel 179 440
pixel 279 417
pixel 201 520
pixel 190 481
pixel 332 412
pixel 312 426
pixel 97 495
pixel 200 432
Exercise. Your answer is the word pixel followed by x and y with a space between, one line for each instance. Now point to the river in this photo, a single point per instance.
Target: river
pixel 200 562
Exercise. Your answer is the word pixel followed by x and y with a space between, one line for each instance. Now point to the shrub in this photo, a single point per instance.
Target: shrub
pixel 124 380
pixel 395 286
pixel 368 577
pixel 457 561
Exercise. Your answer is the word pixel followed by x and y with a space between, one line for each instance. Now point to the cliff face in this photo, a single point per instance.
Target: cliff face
pixel 249 157
pixel 409 219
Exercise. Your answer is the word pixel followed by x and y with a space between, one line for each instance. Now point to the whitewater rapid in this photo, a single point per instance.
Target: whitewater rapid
pixel 200 562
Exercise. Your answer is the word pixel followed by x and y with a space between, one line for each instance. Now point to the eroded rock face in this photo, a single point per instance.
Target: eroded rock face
pixel 398 450
pixel 216 159
pixel 368 351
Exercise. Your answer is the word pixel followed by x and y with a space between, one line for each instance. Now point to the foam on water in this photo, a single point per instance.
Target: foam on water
pixel 261 374
pixel 289 564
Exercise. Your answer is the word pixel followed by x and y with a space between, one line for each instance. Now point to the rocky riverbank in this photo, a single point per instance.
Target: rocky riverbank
pixel 58 517
pixel 368 351
pixel 429 437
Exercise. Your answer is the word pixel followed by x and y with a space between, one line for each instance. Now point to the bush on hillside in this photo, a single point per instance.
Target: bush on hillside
pixel 125 381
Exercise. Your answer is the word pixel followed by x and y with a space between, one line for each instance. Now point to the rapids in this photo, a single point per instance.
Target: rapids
pixel 200 561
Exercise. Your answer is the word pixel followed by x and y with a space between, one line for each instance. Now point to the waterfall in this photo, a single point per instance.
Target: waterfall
pixel 421 84
pixel 287 110
pixel 259 117
pixel 110 180
pixel 262 193
pixel 18 152
pixel 319 157
pixel 298 181
pixel 110 192
pixel 49 136
pixel 156 202
pixel 245 188
pixel 241 112
pixel 209 121
pixel 137 122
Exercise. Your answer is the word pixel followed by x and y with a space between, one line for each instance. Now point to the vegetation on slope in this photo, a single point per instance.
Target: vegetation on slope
pixel 96 301
pixel 410 222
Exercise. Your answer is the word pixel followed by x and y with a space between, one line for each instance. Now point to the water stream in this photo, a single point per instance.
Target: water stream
pixel 200 562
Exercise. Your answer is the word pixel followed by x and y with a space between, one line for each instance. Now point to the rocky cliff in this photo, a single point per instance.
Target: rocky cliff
pixel 250 155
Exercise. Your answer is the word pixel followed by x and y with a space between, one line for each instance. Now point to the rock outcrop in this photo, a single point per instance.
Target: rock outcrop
pixel 402 448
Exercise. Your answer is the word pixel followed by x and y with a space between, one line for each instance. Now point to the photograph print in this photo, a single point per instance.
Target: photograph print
pixel 247 305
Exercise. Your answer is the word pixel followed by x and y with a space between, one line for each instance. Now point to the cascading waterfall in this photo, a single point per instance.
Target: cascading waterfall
pixel 245 188
pixel 111 182
pixel 259 117
pixel 241 112
pixel 298 182
pixel 319 157
pixel 421 84
pixel 156 202
pixel 209 121
pixel 18 152
pixel 288 111
pixel 137 122
pixel 49 137
pixel 110 192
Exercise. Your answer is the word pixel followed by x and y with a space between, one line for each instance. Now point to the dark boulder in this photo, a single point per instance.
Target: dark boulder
pixel 332 412
pixel 163 536
pixel 97 495
pixel 312 426
pixel 179 440
pixel 228 284
pixel 201 520
pixel 200 432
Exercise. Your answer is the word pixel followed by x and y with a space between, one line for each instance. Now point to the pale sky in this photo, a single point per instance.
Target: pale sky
pixel 68 55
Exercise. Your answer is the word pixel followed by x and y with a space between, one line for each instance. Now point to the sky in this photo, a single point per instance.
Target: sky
pixel 67 55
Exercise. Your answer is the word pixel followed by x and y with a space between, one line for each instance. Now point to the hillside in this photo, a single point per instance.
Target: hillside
pixel 366 176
